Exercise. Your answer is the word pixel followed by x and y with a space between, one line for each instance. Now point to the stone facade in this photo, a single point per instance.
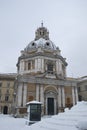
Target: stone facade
pixel 7 93
pixel 82 88
pixel 42 77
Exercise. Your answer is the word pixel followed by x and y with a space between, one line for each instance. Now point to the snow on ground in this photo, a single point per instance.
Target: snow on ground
pixel 74 119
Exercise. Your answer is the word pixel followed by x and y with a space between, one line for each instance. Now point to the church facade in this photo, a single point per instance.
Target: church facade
pixel 42 76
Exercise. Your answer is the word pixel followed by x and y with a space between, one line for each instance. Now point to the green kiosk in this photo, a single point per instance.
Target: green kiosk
pixel 34 112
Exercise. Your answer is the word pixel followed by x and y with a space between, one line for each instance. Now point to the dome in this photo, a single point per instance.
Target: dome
pixel 41 40
pixel 44 44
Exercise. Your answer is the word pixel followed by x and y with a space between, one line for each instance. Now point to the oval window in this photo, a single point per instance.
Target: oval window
pixel 47 43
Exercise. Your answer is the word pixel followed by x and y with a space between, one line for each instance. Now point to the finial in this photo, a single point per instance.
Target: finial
pixel 42 23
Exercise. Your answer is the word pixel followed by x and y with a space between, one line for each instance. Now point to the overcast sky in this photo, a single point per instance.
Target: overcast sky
pixel 66 21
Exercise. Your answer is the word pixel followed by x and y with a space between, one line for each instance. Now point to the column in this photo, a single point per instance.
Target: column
pixel 59 96
pixel 36 65
pixel 25 95
pixel 46 107
pixel 42 65
pixel 73 95
pixel 42 98
pixel 63 96
pixel 20 66
pixel 39 64
pixel 23 66
pixel 57 66
pixel 37 92
pixel 60 66
pixel 41 94
pixel 19 94
pixel 76 94
pixel 31 65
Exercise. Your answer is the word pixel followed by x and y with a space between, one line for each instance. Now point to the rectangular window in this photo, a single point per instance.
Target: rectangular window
pixel 79 89
pixel 0 97
pixel 50 68
pixel 0 91
pixel 0 84
pixel 8 84
pixel 7 91
pixel 86 87
pixel 29 66
pixel 6 98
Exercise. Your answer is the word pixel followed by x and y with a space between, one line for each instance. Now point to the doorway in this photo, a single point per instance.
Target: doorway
pixel 5 110
pixel 50 104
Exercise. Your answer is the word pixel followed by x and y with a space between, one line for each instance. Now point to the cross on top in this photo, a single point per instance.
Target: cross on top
pixel 42 23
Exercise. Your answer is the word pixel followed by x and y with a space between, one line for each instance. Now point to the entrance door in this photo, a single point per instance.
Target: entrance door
pixel 5 110
pixel 50 104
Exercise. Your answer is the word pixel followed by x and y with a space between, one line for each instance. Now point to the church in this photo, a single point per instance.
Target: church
pixel 41 76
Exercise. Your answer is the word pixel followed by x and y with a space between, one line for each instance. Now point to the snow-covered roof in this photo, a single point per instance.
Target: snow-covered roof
pixel 45 44
pixel 33 102
pixel 83 78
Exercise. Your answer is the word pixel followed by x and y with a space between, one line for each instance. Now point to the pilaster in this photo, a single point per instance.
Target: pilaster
pixel 59 96
pixel 76 94
pixel 73 95
pixel 63 96
pixel 37 92
pixel 41 94
pixel 25 94
pixel 19 95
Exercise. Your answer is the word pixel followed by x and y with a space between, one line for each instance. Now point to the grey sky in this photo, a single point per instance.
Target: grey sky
pixel 66 21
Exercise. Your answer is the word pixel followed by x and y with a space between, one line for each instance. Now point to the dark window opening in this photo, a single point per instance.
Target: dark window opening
pixel 0 97
pixel 50 68
pixel 8 84
pixel 5 110
pixel 40 33
pixel 47 44
pixel 29 66
pixel 33 44
pixel 86 87
pixel 7 91
pixel 6 98
pixel 80 98
pixel 0 84
pixel 79 89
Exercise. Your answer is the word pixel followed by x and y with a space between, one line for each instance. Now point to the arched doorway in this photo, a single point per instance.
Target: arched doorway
pixel 5 110
pixel 50 103
pixel 50 100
